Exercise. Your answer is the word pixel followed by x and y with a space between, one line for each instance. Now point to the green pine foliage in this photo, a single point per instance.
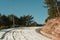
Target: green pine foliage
pixel 12 21
pixel 53 7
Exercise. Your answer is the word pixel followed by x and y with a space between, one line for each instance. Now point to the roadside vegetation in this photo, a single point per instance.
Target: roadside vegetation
pixel 53 7
pixel 12 21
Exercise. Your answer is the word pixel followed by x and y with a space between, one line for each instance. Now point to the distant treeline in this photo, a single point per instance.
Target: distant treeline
pixel 14 21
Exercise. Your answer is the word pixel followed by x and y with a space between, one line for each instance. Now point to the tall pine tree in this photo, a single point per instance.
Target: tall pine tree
pixel 53 8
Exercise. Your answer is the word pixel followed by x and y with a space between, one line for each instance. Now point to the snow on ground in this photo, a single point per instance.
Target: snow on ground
pixel 26 33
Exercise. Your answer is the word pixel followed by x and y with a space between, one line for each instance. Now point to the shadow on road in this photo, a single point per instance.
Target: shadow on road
pixel 38 30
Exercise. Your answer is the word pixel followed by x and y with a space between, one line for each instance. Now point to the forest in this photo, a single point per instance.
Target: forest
pixel 12 21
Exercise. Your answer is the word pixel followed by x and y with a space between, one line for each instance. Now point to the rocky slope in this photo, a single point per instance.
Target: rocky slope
pixel 52 28
pixel 29 33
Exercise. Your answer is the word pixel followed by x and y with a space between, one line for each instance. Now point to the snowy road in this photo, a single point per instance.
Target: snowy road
pixel 22 34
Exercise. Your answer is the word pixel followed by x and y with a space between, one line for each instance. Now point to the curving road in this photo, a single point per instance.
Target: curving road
pixel 30 33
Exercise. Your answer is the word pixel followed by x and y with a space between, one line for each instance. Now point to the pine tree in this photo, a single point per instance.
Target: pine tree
pixel 53 8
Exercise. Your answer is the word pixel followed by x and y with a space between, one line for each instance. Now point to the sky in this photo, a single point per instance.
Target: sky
pixel 25 7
